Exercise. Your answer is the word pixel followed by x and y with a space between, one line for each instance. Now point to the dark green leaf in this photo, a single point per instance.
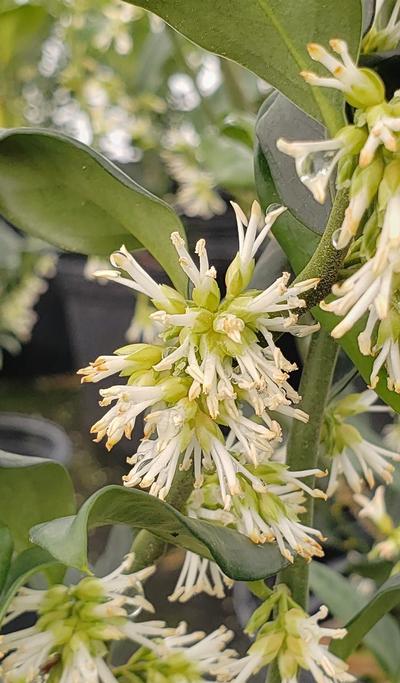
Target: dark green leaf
pixel 57 188
pixel 279 118
pixel 297 241
pixel 6 549
pixel 32 490
pixel 25 565
pixel 343 600
pixel 239 558
pixel 269 37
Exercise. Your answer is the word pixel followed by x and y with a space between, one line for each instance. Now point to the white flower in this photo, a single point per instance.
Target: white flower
pixel 199 575
pixel 316 160
pixel 347 448
pixel 362 87
pixel 257 229
pixel 139 280
pixel 369 290
pixel 293 639
pixel 142 328
pixel 373 508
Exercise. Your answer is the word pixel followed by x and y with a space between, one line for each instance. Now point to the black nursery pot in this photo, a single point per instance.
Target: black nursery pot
pixel 34 436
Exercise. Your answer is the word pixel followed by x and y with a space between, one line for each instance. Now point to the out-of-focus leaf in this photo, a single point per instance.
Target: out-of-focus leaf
pixel 343 600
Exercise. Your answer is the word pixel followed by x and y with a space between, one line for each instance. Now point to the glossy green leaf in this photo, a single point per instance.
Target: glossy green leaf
pixel 32 490
pixel 25 565
pixel 57 188
pixel 343 601
pixel 66 539
pixel 384 600
pixel 6 549
pixel 269 37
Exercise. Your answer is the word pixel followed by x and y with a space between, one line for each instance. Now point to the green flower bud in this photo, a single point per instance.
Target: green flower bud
pixel 238 277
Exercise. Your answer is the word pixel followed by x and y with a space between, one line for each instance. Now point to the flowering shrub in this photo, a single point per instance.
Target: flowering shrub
pixel 230 449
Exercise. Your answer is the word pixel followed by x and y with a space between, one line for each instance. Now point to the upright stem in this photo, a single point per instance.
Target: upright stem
pixel 302 450
pixel 326 260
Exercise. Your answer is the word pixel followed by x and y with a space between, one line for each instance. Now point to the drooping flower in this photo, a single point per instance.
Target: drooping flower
pixel 374 509
pixel 77 623
pixel 199 575
pixel 350 454
pixel 316 160
pixel 293 639
pixel 273 515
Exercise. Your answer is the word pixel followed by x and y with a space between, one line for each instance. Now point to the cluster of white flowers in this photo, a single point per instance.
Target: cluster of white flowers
pixel 292 639
pixel 76 624
pixel 366 155
pixel 208 374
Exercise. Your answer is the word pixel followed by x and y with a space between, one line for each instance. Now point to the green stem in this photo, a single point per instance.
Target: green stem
pixel 302 451
pixel 326 260
pixel 183 63
pixel 148 548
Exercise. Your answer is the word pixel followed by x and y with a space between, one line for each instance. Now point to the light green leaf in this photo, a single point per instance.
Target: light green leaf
pixel 57 188
pixel 343 600
pixel 269 37
pixel 6 549
pixel 363 623
pixel 239 558
pixel 25 565
pixel 32 490
pixel 229 161
pixel 21 29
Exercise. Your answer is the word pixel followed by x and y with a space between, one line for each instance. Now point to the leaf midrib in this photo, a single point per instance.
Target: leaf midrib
pixel 320 100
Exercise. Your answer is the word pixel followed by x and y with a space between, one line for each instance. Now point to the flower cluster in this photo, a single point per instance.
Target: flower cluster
pixel 349 453
pixel 292 638
pixel 211 376
pixel 366 155
pixel 76 624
